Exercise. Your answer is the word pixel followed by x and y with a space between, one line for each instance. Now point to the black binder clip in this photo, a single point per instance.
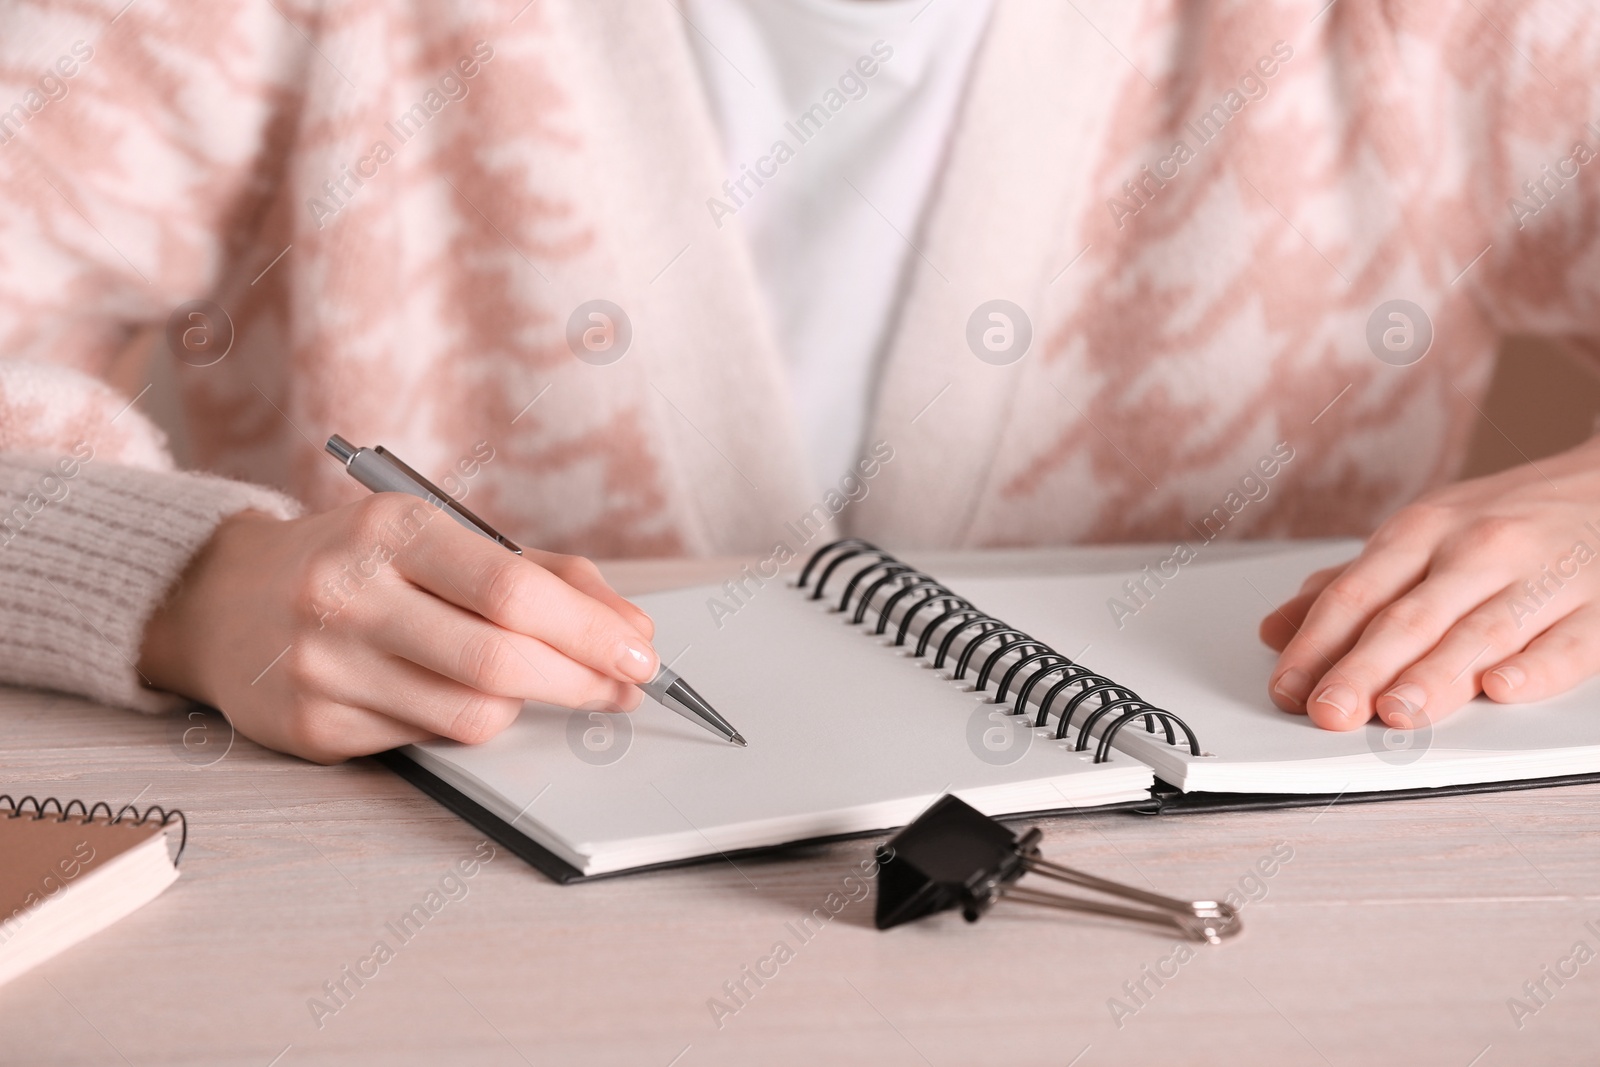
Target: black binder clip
pixel 955 856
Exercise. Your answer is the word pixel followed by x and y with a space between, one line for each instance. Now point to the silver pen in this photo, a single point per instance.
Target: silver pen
pixel 383 472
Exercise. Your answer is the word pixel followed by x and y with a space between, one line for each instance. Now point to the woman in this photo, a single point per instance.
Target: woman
pixel 656 277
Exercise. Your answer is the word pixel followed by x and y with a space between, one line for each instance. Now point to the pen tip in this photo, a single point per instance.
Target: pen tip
pixel 739 740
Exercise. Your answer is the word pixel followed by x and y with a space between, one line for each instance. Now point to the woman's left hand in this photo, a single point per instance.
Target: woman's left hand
pixel 1490 586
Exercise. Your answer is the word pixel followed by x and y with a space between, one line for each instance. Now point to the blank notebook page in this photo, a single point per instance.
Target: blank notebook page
pixel 846 736
pixel 1192 648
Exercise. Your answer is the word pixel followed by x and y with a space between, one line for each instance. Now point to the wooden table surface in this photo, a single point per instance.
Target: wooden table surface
pixel 1396 934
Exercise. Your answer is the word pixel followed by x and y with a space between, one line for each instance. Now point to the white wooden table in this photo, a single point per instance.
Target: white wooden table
pixel 1395 934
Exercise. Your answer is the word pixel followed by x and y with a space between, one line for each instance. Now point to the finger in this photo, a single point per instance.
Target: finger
pixel 1317 581
pixel 329 732
pixel 582 574
pixel 471 658
pixel 1336 619
pixel 1555 661
pixel 411 694
pixel 518 594
pixel 1397 637
pixel 1279 628
pixel 1451 673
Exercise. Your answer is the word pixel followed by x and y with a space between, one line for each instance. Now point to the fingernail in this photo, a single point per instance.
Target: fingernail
pixel 1402 705
pixel 1511 676
pixel 637 662
pixel 1293 685
pixel 1341 698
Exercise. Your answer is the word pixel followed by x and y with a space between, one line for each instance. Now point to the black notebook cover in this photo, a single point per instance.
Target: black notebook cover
pixel 1169 800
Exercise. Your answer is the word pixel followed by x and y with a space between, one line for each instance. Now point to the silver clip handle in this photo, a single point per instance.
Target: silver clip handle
pixel 1199 920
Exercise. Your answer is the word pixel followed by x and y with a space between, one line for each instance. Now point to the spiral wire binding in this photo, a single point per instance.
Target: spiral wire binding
pixel 1114 704
pixel 41 808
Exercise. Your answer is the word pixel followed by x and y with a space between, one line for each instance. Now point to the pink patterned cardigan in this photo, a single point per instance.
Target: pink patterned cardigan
pixel 400 203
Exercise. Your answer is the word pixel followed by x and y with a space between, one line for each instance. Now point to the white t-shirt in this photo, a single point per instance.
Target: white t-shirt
pixel 834 117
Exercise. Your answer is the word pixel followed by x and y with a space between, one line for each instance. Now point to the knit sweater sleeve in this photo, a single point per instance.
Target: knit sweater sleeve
pixel 96 528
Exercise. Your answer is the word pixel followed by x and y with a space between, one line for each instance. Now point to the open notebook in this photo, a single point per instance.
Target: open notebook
pixel 858 719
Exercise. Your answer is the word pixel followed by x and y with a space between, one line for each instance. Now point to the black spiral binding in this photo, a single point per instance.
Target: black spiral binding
pixel 16 809
pixel 911 591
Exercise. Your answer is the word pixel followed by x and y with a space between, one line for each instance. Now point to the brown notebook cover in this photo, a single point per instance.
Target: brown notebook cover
pixel 66 873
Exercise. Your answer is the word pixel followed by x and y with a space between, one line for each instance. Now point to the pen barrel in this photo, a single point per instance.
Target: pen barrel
pixel 372 471
pixel 383 472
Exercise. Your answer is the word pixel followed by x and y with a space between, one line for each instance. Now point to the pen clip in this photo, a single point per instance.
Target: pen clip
pixel 439 498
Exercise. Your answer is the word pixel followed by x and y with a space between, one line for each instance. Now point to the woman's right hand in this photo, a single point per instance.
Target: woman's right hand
pixel 386 622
